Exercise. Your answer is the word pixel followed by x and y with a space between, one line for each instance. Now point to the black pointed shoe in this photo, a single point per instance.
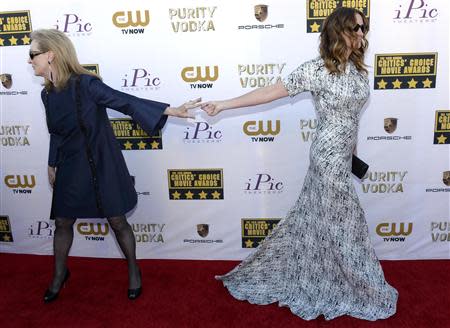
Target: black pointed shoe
pixel 50 296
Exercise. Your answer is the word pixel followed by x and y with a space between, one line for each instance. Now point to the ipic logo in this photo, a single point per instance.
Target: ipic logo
pixel 203 132
pixel 256 129
pixel 128 19
pixel 394 231
pixel 263 183
pixel 20 184
pixel 415 10
pixel 92 231
pixel 73 24
pixel 140 78
pixel 199 74
pixel 41 230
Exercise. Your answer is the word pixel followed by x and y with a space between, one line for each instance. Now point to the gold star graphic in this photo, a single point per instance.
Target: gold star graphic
pixel 6 238
pixel 382 84
pixel 142 144
pixel 1 42
pixel 314 27
pixel 216 195
pixel 128 145
pixel 189 195
pixel 13 40
pixel 397 84
pixel 26 39
pixel 176 195
pixel 154 145
pixel 248 243
pixel 427 83
pixel 441 139
pixel 412 83
pixel 203 195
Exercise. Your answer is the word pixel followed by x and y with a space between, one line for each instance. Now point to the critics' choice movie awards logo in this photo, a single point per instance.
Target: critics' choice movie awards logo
pixel 200 77
pixel 15 28
pixel 259 75
pixel 202 132
pixel 14 135
pixel 415 11
pixel 131 136
pixel 203 231
pixel 149 232
pixel 254 231
pixel 195 19
pixel 262 131
pixel 442 128
pixel 384 182
pixel 394 231
pixel 440 231
pixel 194 184
pixel 20 184
pixel 93 231
pixel 390 126
pixel 93 68
pixel 5 230
pixel 41 230
pixel 140 79
pixel 261 14
pixel 73 25
pixel 7 82
pixel 318 10
pixel 263 183
pixel 131 22
pixel 405 71
pixel 445 180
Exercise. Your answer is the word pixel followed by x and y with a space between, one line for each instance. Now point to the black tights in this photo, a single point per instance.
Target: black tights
pixel 63 239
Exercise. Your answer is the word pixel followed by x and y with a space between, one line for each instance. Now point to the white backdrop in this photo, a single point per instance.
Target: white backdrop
pixel 253 174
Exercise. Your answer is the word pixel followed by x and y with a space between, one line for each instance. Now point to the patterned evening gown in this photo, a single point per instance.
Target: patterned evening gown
pixel 319 259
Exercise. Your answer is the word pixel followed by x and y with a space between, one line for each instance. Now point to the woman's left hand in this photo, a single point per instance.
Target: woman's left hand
pixel 183 110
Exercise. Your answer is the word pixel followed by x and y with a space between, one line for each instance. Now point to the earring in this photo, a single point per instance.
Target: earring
pixel 51 74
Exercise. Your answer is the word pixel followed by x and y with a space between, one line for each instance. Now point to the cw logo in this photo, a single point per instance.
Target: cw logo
pixel 194 74
pixel 120 19
pixel 386 229
pixel 93 229
pixel 20 181
pixel 253 128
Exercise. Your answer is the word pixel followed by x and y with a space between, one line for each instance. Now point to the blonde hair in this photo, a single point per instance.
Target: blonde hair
pixel 333 48
pixel 65 61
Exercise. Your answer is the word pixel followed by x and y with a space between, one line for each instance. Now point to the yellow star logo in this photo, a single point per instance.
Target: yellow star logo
pixel 397 84
pixel 26 39
pixel 128 145
pixel 6 238
pixel 412 83
pixel 154 145
pixel 142 144
pixel 427 83
pixel 314 27
pixel 176 195
pixel 189 195
pixel 1 42
pixel 248 243
pixel 441 139
pixel 216 195
pixel 203 195
pixel 382 84
pixel 13 40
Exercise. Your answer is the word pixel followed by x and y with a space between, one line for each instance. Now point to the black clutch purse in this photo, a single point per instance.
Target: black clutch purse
pixel 359 167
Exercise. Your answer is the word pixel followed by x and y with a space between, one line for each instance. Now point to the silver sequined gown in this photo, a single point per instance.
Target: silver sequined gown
pixel 319 259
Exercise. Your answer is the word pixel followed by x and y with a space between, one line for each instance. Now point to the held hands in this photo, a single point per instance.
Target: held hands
pixel 51 175
pixel 183 110
pixel 213 108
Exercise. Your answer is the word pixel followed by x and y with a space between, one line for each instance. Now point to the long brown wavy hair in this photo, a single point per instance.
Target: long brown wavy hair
pixel 333 48
pixel 65 61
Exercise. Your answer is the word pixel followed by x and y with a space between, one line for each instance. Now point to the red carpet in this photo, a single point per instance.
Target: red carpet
pixel 185 294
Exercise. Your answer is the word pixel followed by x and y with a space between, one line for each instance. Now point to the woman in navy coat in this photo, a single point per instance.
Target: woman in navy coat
pixel 86 167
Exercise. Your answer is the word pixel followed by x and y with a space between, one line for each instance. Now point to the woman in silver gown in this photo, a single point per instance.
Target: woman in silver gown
pixel 319 259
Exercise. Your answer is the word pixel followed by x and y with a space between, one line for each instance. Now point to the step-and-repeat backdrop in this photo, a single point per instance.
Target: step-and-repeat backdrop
pixel 212 188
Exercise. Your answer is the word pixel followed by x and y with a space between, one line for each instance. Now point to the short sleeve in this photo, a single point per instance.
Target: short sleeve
pixel 304 78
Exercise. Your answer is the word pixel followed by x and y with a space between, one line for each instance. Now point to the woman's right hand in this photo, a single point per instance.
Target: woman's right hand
pixel 213 108
pixel 51 175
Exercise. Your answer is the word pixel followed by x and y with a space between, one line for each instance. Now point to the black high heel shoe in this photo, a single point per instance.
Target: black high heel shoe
pixel 136 292
pixel 50 296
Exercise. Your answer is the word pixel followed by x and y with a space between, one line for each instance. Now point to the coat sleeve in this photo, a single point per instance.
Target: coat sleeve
pixel 148 114
pixel 55 140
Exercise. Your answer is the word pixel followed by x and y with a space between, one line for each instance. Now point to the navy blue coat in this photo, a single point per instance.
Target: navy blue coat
pixel 92 179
